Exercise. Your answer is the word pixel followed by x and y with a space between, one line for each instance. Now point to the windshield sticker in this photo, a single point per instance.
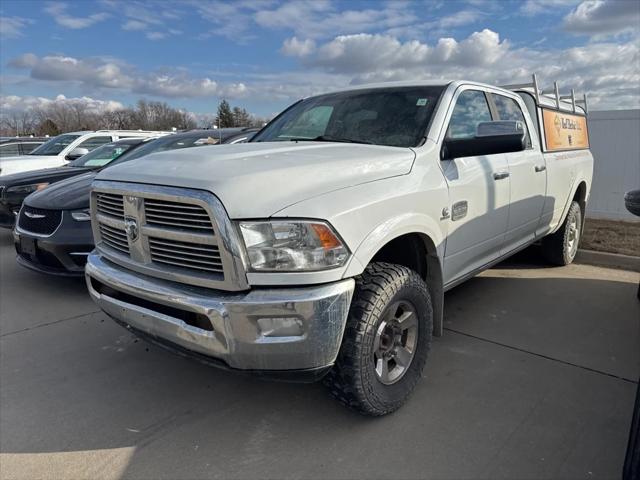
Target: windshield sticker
pixel 421 102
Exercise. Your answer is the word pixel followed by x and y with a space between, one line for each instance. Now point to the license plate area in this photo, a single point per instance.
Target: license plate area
pixel 28 246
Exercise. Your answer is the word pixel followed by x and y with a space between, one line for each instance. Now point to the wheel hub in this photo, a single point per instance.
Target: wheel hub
pixel 395 342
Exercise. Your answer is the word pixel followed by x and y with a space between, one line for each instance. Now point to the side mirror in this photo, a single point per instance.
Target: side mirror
pixel 76 153
pixel 503 136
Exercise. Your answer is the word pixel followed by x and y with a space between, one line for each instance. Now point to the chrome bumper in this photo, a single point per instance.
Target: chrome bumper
pixel 261 329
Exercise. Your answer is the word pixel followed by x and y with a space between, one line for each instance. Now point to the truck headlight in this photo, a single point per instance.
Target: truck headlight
pixel 292 246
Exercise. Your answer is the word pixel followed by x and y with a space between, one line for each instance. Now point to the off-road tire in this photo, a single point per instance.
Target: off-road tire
pixel 353 380
pixel 556 248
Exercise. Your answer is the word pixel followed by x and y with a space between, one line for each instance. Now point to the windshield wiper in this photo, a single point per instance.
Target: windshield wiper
pixel 329 138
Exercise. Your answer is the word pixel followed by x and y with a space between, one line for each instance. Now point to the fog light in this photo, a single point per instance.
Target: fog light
pixel 280 327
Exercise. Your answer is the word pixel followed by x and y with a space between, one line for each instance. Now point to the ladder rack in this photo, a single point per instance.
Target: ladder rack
pixel 553 94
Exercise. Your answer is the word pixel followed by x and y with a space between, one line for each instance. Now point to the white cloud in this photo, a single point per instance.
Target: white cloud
pixel 107 73
pixel 608 72
pixel 321 18
pixel 551 7
pixel 12 27
pixel 59 13
pixel 293 47
pixel 15 103
pixel 604 17
pixel 133 25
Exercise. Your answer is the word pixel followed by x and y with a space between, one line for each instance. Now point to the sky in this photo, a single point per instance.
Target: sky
pixel 263 55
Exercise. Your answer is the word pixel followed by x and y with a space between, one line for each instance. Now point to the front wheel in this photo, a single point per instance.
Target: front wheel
pixel 561 247
pixel 386 340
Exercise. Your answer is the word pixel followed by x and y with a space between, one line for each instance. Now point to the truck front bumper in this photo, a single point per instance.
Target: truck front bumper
pixel 269 331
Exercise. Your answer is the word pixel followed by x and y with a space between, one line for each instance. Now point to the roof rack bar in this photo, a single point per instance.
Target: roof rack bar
pixel 552 93
pixel 536 89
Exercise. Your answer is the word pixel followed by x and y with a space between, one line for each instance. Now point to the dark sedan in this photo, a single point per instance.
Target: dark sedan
pixel 15 188
pixel 53 234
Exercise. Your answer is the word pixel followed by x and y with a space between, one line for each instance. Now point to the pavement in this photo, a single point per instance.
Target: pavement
pixel 535 377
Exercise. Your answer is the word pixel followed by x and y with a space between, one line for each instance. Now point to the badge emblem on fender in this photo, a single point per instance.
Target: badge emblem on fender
pixel 131 228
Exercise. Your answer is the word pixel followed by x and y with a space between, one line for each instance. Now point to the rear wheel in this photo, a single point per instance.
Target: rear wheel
pixel 386 340
pixel 561 247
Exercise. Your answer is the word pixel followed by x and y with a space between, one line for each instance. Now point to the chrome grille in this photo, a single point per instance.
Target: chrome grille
pixel 164 213
pixel 186 255
pixel 110 204
pixel 115 238
pixel 176 234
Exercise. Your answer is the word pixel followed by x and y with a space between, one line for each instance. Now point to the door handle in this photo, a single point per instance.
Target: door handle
pixel 500 175
pixel 540 168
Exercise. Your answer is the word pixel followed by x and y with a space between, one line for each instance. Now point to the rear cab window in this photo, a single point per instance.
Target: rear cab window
pixel 508 109
pixel 471 109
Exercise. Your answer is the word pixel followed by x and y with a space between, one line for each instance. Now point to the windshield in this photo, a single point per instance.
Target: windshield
pixel 55 145
pixel 396 117
pixel 101 155
pixel 169 142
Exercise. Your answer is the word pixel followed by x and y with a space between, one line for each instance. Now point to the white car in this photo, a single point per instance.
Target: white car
pixel 323 247
pixel 60 150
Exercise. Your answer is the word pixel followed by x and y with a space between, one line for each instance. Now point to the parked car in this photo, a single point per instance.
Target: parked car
pixel 14 146
pixel 53 232
pixel 15 188
pixel 60 150
pixel 323 247
pixel 245 135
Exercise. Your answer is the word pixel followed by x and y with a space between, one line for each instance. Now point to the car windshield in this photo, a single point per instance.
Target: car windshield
pixel 170 142
pixel 55 145
pixel 102 155
pixel 395 117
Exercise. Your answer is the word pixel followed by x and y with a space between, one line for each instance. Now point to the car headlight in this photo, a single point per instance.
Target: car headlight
pixel 81 215
pixel 25 189
pixel 292 246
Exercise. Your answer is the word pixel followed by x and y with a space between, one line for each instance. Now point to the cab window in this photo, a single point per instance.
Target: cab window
pixel 94 142
pixel 508 109
pixel 470 110
pixel 9 150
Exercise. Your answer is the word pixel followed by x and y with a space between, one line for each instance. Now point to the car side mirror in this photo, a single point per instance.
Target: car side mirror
pixel 502 136
pixel 76 153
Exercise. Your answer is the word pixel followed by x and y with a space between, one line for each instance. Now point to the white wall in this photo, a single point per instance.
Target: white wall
pixel 615 143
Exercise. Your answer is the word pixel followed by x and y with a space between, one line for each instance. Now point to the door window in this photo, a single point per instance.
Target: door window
pixel 9 150
pixel 29 147
pixel 508 109
pixel 470 110
pixel 94 142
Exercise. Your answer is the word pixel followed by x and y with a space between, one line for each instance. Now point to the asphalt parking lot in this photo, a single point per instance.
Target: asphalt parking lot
pixel 535 377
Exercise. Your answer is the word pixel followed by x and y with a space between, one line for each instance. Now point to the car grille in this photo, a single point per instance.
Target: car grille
pixel 169 214
pixel 186 255
pixel 110 204
pixel 38 220
pixel 115 238
pixel 167 232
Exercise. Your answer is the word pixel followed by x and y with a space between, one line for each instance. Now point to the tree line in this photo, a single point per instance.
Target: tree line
pixel 58 117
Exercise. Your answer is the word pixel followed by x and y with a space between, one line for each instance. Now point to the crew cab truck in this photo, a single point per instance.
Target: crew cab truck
pixel 323 247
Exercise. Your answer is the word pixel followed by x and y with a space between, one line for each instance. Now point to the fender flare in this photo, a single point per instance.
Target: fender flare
pixel 395 227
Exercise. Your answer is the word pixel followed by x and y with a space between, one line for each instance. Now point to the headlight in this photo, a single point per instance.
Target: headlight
pixel 292 246
pixel 81 215
pixel 25 189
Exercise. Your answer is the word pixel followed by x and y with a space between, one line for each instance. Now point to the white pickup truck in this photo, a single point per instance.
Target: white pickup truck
pixel 323 248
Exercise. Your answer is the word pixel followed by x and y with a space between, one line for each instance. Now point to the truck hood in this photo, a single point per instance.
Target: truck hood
pixel 259 179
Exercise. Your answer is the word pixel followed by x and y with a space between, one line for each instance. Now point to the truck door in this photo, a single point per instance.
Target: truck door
pixel 528 179
pixel 478 193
